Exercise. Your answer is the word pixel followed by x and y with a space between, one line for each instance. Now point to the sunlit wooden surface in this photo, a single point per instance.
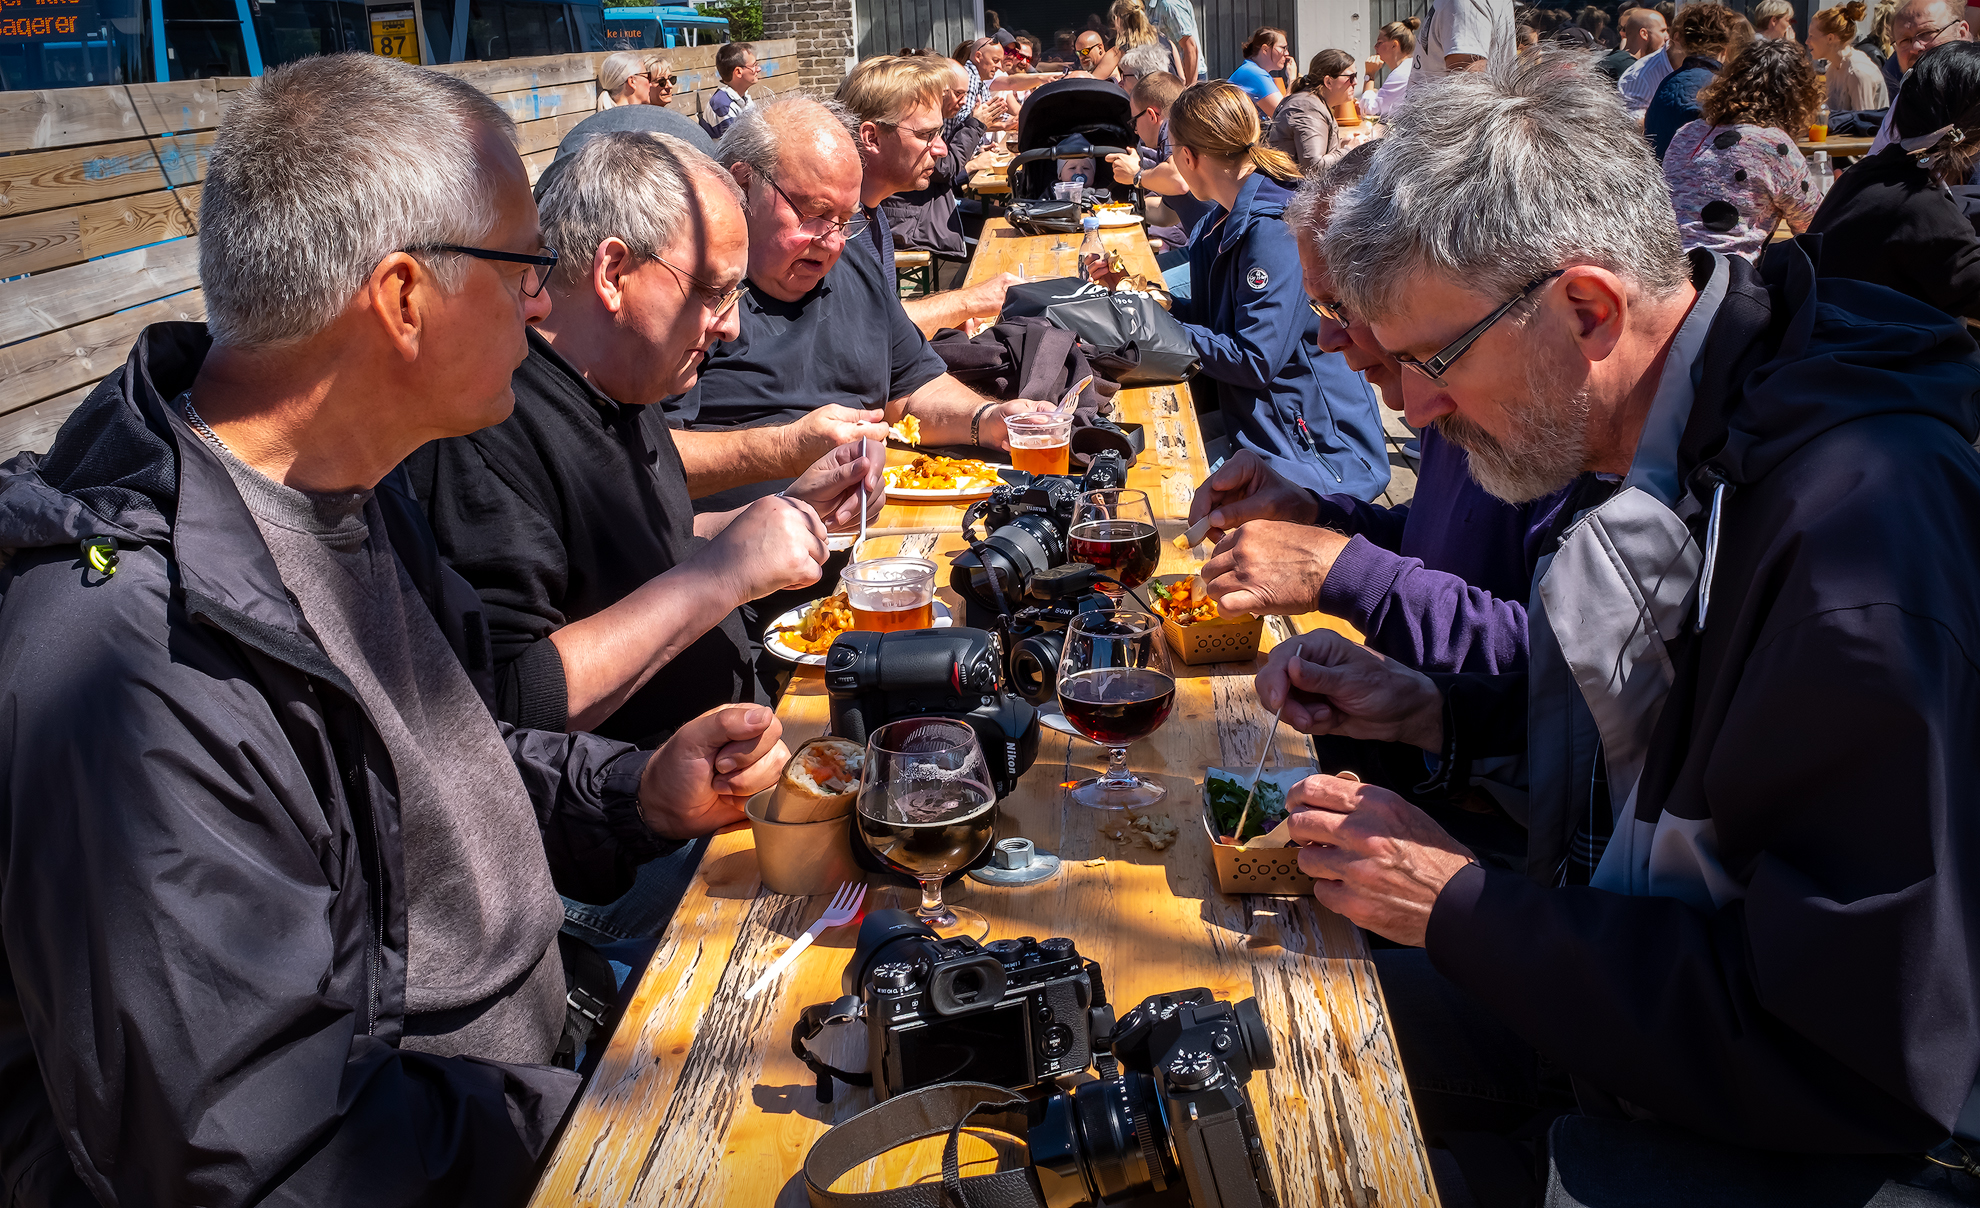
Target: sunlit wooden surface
pixel 699 1100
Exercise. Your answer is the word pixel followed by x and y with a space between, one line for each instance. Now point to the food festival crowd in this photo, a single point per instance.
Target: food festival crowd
pixel 429 644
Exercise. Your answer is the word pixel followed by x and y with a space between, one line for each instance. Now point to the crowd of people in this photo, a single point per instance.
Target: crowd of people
pixel 401 713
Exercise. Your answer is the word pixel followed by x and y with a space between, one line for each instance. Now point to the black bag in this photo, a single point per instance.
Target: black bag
pixel 1044 217
pixel 1032 358
pixel 1131 326
pixel 1028 298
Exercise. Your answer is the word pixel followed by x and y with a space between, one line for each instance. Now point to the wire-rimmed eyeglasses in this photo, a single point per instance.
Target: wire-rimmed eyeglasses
pixel 819 226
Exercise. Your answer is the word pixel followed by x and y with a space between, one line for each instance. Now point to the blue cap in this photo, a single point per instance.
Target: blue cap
pixel 1090 223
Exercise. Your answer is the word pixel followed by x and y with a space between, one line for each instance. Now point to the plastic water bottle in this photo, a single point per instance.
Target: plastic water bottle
pixel 1821 173
pixel 1092 253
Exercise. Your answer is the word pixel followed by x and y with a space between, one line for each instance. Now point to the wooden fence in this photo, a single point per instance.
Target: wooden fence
pixel 99 209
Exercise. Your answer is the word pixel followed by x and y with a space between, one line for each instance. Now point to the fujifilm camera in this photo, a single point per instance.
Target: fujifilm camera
pixel 1029 528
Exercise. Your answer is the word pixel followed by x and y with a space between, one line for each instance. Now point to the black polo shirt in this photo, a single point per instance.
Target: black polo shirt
pixel 847 342
pixel 554 515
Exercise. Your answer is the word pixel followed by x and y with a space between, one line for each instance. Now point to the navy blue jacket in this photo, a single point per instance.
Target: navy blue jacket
pixel 1248 314
pixel 1676 101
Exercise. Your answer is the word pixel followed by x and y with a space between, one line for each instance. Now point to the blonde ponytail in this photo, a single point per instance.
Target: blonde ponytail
pixel 1216 120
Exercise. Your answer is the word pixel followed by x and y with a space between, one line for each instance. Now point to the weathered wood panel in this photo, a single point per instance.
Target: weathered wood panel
pixel 46 180
pixel 76 356
pixel 66 117
pixel 64 297
pixel 34 242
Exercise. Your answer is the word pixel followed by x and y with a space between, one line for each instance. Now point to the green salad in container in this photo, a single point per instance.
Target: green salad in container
pixel 1226 796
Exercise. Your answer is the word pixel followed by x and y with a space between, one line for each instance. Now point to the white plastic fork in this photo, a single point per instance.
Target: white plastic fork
pixel 844 908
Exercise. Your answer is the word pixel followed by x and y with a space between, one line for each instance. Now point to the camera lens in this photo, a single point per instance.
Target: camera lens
pixel 1104 1141
pixel 1035 667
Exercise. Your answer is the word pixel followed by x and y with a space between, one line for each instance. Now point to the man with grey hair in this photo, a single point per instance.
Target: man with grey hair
pixel 1751 678
pixel 288 933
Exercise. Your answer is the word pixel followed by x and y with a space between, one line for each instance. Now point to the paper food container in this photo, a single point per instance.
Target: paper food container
pixel 1229 640
pixel 1266 870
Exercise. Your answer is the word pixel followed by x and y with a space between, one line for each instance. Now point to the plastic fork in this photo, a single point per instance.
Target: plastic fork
pixel 844 908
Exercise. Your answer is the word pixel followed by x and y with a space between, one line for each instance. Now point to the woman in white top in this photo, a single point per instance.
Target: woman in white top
pixel 1395 45
pixel 1854 81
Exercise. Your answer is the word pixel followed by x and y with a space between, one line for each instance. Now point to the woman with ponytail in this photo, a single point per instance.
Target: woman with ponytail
pixel 1854 81
pixel 1890 220
pixel 1395 46
pixel 1311 418
pixel 1304 127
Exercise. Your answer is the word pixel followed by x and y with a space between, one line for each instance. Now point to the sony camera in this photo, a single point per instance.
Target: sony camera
pixel 1174 1125
pixel 874 678
pixel 1028 527
pixel 1015 1013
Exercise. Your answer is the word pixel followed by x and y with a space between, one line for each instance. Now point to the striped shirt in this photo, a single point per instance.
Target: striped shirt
pixel 1639 82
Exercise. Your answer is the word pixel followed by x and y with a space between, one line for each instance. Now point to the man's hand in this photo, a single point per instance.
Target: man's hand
pixel 1330 685
pixel 831 485
pixel 1245 488
pixel 1375 859
pixel 774 543
pixel 1126 166
pixel 825 429
pixel 992 433
pixel 1271 568
pixel 985 298
pixel 699 781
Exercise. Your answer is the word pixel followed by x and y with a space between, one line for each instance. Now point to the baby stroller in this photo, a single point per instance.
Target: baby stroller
pixel 1073 119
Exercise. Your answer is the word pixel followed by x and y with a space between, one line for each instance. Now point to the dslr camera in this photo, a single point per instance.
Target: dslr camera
pixel 1015 1013
pixel 1174 1125
pixel 1029 528
pixel 873 678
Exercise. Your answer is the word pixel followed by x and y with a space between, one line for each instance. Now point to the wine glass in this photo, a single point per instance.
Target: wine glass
pixel 926 808
pixel 1115 687
pixel 1114 529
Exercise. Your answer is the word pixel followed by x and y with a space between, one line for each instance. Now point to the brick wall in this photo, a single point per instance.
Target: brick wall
pixel 823 30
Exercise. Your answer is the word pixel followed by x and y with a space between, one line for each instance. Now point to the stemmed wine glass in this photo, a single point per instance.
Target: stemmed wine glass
pixel 926 808
pixel 1115 687
pixel 1114 529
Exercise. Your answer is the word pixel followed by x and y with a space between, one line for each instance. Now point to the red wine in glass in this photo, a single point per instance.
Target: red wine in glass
pixel 1126 549
pixel 1116 707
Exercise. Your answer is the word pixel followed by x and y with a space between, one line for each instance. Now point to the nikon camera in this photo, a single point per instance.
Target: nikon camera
pixel 1013 1012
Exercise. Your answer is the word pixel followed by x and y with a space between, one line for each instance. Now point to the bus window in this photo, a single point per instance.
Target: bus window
pixel 203 39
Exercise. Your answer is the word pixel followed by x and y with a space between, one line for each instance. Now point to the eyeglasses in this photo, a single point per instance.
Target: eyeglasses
pixel 534 278
pixel 1925 40
pixel 1436 367
pixel 718 301
pixel 925 136
pixel 1349 76
pixel 1333 312
pixel 819 226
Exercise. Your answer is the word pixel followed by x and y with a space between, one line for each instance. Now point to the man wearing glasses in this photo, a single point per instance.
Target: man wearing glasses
pixel 1918 26
pixel 1749 698
pixel 898 103
pixel 292 933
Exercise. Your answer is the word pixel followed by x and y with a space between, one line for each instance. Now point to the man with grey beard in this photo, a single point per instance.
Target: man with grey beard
pixel 1753 672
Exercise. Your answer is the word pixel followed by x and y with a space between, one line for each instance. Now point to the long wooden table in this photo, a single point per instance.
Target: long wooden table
pixel 698 1099
pixel 1837 145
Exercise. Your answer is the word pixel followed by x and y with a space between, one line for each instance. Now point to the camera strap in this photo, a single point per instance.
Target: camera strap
pixel 930 1111
pixel 813 1020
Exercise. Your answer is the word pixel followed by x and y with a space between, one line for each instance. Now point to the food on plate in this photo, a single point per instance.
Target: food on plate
pixel 931 473
pixel 908 431
pixel 1226 796
pixel 1184 603
pixel 1113 207
pixel 819 626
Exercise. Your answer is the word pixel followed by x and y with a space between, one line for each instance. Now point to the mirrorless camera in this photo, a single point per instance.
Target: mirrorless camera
pixel 1175 1125
pixel 1034 632
pixel 1029 529
pixel 874 678
pixel 1015 1013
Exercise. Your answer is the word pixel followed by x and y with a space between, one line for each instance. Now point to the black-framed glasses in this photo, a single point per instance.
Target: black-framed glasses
pixel 1436 367
pixel 1333 312
pixel 534 277
pixel 818 226
pixel 718 301
pixel 1925 40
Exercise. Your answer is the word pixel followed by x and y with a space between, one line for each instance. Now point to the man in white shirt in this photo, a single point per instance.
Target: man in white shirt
pixel 1917 27
pixel 1639 83
pixel 1462 35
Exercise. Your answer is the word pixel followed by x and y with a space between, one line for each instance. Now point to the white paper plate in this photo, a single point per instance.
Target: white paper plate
pixel 774 641
pixel 976 488
pixel 1119 218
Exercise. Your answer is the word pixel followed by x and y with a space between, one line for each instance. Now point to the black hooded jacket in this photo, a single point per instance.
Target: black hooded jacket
pixel 1826 723
pixel 202 893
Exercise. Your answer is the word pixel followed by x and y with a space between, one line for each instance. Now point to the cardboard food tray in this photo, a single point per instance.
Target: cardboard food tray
pixel 1229 640
pixel 1269 870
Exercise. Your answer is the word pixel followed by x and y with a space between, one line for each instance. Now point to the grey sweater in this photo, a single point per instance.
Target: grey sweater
pixel 483 976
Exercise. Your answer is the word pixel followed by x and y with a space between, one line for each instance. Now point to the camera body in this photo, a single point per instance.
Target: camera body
pixel 874 678
pixel 1034 633
pixel 1014 1012
pixel 1176 1125
pixel 1029 528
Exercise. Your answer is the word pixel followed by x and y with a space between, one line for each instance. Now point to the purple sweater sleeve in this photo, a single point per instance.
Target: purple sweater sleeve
pixel 1425 618
pixel 1358 518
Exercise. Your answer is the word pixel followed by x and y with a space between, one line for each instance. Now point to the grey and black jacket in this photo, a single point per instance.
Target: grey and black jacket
pixel 202 892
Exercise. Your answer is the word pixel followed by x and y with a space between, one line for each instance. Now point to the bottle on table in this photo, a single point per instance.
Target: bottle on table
pixel 1821 173
pixel 1818 126
pixel 1092 253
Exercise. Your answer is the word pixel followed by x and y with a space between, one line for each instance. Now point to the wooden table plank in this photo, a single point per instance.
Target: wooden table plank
pixel 699 1100
pixel 1837 145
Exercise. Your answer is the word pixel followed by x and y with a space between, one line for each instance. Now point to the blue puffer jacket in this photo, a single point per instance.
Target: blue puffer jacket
pixel 1249 316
